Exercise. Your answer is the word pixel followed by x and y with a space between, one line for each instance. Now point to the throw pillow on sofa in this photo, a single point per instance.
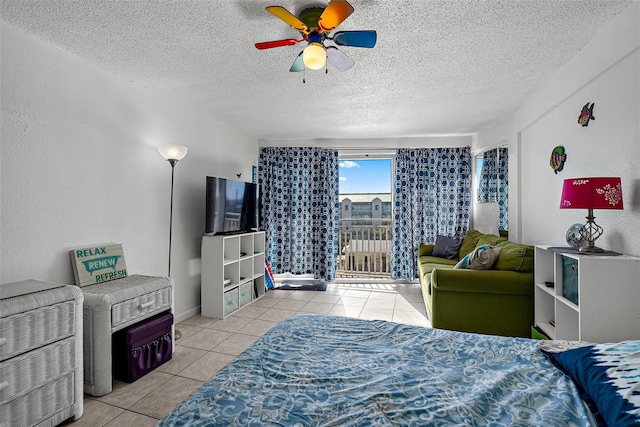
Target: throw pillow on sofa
pixel 484 257
pixel 446 247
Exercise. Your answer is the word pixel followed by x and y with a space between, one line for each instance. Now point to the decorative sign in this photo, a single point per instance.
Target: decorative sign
pixel 98 263
pixel 586 114
pixel 558 157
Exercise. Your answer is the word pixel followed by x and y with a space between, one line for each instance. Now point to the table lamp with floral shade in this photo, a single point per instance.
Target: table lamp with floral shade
pixel 590 194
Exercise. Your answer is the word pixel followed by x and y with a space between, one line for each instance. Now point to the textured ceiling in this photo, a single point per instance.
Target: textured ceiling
pixel 439 67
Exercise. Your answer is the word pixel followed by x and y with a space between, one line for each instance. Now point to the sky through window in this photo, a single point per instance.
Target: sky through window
pixel 365 176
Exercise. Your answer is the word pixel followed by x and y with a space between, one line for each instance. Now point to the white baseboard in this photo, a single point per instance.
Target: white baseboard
pixel 183 316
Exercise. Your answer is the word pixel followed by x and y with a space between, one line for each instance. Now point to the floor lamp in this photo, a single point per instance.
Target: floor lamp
pixel 172 153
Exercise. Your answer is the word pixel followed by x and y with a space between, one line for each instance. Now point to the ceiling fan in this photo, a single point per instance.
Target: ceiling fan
pixel 315 24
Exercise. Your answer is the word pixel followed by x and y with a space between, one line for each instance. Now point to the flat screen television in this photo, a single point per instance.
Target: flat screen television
pixel 231 206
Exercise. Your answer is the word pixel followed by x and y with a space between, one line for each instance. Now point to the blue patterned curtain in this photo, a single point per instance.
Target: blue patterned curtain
pixel 488 187
pixel 300 209
pixel 432 196
pixel 503 188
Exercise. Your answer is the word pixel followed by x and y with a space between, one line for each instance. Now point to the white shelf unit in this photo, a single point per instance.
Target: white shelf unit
pixel 232 272
pixel 608 297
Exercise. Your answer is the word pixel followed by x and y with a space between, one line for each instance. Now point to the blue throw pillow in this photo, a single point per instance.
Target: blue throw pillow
pixel 608 376
pixel 447 247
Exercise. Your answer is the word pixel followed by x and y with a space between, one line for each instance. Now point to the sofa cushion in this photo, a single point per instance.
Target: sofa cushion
pixel 427 263
pixel 483 257
pixel 447 247
pixel 490 239
pixel 515 257
pixel 469 242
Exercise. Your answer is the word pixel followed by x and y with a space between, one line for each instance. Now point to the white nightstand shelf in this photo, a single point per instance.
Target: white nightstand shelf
pixel 594 298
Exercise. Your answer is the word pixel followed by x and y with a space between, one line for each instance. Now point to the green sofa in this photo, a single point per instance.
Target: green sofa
pixel 497 301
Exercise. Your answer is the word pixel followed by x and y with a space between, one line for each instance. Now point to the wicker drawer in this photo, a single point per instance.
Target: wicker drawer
pixel 26 331
pixel 52 402
pixel 40 353
pixel 110 307
pixel 139 307
pixel 30 370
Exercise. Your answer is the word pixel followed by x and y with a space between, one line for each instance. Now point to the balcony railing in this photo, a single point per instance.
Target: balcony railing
pixel 365 248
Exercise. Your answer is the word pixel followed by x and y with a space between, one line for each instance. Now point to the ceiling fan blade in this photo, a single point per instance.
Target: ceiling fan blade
pixel 298 65
pixel 362 38
pixel 277 43
pixel 339 60
pixel 334 14
pixel 288 17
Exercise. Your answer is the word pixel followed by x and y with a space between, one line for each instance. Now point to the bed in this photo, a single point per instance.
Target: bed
pixel 326 370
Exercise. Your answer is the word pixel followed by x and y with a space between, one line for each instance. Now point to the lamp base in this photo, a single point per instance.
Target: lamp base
pixel 591 249
pixel 589 233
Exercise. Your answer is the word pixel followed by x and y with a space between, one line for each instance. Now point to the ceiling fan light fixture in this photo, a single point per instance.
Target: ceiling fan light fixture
pixel 314 56
pixel 316 24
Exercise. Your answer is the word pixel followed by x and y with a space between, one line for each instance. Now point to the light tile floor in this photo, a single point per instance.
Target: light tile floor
pixel 207 345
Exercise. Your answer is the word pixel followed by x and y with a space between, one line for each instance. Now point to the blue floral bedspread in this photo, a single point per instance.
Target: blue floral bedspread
pixel 335 371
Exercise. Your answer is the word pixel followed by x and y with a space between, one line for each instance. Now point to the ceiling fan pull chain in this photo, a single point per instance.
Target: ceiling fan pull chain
pixel 304 75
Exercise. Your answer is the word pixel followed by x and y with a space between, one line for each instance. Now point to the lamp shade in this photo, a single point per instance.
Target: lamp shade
pixel 592 193
pixel 172 151
pixel 314 56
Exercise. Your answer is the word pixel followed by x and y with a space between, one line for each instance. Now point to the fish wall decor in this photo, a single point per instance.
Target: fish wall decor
pixel 558 157
pixel 586 114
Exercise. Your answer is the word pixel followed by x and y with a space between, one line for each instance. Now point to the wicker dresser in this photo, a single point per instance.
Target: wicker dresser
pixel 40 353
pixel 112 306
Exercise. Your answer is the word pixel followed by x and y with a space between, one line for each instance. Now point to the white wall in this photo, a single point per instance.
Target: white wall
pixel 607 72
pixel 79 166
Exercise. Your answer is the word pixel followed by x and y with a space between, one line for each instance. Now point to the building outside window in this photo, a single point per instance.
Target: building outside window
pixel 365 217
